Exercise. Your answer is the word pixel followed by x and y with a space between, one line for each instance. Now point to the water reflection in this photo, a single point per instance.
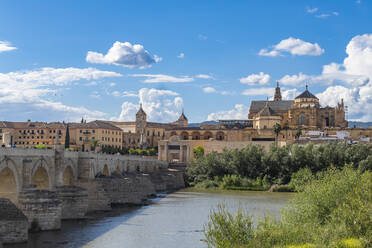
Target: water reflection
pixel 173 221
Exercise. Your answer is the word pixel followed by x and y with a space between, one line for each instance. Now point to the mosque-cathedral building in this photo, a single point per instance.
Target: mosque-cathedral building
pixel 175 141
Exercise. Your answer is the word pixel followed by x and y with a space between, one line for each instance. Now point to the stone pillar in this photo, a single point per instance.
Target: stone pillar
pixel 74 202
pixel 166 151
pixel 42 208
pixel 188 152
pixel 181 153
pixel 13 223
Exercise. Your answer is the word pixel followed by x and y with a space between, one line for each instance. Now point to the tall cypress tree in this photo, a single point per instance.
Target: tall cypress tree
pixel 67 138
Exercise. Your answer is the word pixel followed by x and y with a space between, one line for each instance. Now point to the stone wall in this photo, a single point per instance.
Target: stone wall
pixel 13 223
pixel 42 208
pixel 74 201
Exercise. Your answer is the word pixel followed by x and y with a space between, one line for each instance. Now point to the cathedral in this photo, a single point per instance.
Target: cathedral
pixel 304 111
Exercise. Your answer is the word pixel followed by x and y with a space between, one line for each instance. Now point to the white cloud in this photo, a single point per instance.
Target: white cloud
pixel 181 56
pixel 161 78
pixel 95 94
pixel 311 10
pixel 112 84
pixel 124 94
pixel 6 46
pixel 159 105
pixel 124 54
pixel 294 80
pixel 25 92
pixel 239 112
pixel 202 37
pixel 259 92
pixel 335 13
pixel 256 79
pixel 289 94
pixel 323 16
pixel 209 90
pixel 204 76
pixel 294 47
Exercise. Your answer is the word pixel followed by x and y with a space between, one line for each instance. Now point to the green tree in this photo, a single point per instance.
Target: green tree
pixel 94 143
pixel 298 133
pixel 67 137
pixel 276 129
pixel 41 146
pixel 198 152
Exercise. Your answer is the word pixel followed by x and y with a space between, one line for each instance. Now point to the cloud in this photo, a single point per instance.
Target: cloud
pixel 181 56
pixel 6 46
pixel 311 10
pixel 161 78
pixel 204 76
pixel 294 80
pixel 259 92
pixel 256 79
pixel 209 90
pixel 95 94
pixel 356 73
pixel 323 16
pixel 124 54
pixel 289 94
pixel 112 84
pixel 294 47
pixel 26 92
pixel 124 94
pixel 202 37
pixel 239 112
pixel 159 105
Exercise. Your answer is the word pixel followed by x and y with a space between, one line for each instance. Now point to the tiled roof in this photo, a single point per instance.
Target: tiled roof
pixel 306 94
pixel 256 106
pixel 25 125
pixel 94 124
pixel 266 111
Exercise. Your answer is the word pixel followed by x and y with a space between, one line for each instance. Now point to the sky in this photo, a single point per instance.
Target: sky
pixel 64 60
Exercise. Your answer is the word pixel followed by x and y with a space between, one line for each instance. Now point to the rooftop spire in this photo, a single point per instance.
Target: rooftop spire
pixel 307 87
pixel 278 94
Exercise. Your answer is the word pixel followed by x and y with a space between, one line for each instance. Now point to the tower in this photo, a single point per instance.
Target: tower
pixel 141 125
pixel 278 95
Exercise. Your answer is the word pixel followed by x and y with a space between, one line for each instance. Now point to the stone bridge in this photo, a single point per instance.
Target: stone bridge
pixel 50 185
pixel 50 168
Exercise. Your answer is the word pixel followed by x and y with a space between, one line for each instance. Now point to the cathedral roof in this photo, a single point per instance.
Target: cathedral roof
pixel 274 105
pixel 306 94
pixel 182 117
pixel 266 111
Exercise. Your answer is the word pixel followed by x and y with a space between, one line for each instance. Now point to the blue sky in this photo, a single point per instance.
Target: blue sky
pixel 99 59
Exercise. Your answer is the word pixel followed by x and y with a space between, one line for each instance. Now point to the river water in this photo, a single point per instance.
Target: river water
pixel 175 220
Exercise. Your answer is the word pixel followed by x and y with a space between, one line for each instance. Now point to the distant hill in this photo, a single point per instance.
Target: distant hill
pixel 204 123
pixel 360 124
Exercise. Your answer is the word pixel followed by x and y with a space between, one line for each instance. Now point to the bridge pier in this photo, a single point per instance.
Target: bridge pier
pixel 74 202
pixel 42 207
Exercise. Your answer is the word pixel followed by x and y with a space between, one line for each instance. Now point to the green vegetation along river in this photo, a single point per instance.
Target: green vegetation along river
pixel 173 221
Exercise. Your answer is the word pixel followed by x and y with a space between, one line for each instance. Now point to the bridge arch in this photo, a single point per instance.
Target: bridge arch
pixel 105 171
pixel 9 180
pixel 68 176
pixel 40 175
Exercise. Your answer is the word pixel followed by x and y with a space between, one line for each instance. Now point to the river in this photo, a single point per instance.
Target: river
pixel 175 220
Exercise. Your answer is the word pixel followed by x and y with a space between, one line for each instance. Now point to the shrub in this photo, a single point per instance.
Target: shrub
pixel 226 230
pixel 283 188
pixel 41 146
pixel 334 205
pixel 300 178
pixel 198 152
pixel 231 180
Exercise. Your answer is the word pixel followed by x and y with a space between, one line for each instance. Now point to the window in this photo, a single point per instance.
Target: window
pixel 93 131
pixel 81 138
pixel 81 131
pixel 103 139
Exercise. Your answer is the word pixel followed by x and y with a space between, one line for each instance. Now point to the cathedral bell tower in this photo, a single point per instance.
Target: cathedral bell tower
pixel 278 95
pixel 141 126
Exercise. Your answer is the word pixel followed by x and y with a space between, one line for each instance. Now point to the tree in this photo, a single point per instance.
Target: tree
pixel 93 143
pixel 276 129
pixel 198 152
pixel 67 137
pixel 298 133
